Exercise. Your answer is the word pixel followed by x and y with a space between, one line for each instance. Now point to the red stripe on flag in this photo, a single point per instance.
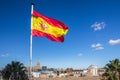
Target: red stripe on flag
pixel 49 36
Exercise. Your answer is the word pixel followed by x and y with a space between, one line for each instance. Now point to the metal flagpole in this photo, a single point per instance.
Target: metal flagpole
pixel 30 76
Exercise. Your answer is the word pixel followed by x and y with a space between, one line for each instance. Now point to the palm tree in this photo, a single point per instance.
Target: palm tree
pixel 14 71
pixel 113 69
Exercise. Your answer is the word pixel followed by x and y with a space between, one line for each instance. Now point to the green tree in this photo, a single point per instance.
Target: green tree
pixel 113 69
pixel 14 71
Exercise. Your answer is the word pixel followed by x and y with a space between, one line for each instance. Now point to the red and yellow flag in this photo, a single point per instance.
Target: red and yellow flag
pixel 48 27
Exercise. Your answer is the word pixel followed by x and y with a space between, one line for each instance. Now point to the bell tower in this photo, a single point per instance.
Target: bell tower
pixel 38 64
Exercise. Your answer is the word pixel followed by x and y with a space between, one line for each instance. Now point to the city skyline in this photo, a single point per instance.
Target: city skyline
pixel 93 36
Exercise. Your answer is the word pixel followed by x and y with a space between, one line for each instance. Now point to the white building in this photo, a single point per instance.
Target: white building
pixel 84 71
pixel 44 74
pixel 36 74
pixel 93 70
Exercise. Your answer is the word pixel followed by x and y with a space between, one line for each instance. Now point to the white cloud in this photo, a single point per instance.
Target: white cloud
pixel 4 55
pixel 97 46
pixel 80 54
pixel 114 42
pixel 98 26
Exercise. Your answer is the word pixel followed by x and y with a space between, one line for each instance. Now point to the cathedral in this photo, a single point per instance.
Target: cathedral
pixel 37 67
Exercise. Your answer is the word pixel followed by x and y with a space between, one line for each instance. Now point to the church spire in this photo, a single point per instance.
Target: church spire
pixel 38 63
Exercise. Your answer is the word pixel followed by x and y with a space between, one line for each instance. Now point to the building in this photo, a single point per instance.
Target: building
pixel 78 73
pixel 44 68
pixel 36 74
pixel 94 70
pixel 37 67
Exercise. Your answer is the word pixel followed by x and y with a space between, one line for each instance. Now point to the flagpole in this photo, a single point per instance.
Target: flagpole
pixel 32 5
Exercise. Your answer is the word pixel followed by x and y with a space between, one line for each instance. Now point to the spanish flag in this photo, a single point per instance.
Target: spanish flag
pixel 48 27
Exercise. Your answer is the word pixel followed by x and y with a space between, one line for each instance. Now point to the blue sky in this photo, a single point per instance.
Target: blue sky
pixel 93 37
